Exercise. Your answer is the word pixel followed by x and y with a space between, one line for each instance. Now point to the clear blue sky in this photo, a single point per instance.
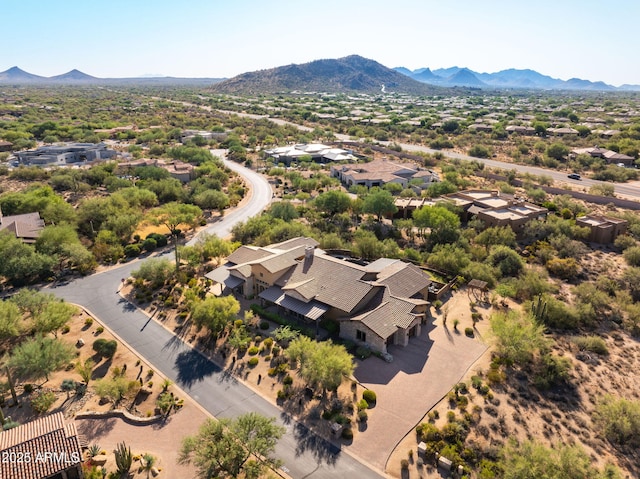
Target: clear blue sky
pixel 589 39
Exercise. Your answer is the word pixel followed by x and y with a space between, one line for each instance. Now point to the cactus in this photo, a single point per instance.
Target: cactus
pixel 124 458
pixel 539 310
pixel 12 387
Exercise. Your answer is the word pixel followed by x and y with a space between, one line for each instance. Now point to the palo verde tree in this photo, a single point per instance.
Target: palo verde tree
pixel 380 203
pixel 322 364
pixel 39 357
pixel 230 447
pixel 173 215
pixel 215 313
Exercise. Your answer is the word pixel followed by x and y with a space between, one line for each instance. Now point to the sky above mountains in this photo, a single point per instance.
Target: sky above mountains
pixel 587 39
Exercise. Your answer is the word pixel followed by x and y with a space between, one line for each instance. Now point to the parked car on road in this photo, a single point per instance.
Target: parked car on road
pixel 574 176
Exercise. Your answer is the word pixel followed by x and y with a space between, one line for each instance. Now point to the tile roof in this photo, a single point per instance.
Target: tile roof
pixel 26 226
pixel 387 313
pixel 49 434
pixel 404 280
pixel 312 309
pixel 334 282
pixel 245 254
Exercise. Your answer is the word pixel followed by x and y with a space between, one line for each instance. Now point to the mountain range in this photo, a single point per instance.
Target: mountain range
pixel 17 76
pixel 511 78
pixel 349 74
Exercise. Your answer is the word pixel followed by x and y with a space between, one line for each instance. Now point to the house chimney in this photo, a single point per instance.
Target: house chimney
pixel 308 252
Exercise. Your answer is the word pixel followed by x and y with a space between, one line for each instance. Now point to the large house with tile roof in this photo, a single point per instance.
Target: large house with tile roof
pixel 376 304
pixel 47 448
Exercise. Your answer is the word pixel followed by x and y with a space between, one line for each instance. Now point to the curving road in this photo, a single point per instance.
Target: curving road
pixel 304 454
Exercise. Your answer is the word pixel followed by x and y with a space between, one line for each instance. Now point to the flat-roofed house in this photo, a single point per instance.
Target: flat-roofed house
pixel 49 448
pixel 376 304
pixel 603 229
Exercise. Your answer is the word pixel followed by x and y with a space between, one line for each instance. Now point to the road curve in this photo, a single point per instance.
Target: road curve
pixel 260 197
pixel 304 454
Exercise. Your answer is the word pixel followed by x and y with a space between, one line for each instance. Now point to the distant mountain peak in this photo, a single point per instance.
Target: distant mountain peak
pixel 350 73
pixel 73 75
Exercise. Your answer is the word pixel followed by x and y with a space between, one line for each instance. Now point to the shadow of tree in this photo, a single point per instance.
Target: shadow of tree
pixel 193 367
pixel 321 449
pixel 95 428
pixel 101 370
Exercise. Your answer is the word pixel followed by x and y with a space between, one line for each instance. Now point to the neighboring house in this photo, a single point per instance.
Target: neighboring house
pixel 47 448
pixel 318 152
pixel 179 170
pixel 62 155
pixel 26 227
pixel 521 130
pixel 493 208
pixel 5 146
pixel 481 127
pixel 609 156
pixel 376 304
pixel 602 229
pixel 381 172
pixel 564 131
pixel 187 135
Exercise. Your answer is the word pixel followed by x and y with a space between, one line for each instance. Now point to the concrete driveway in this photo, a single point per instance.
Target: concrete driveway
pixel 418 378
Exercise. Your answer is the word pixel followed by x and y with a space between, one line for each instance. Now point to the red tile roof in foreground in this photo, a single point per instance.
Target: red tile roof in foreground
pixel 39 449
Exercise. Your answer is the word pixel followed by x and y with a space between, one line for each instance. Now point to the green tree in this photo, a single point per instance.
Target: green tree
pixel 322 364
pixel 115 389
pixel 380 203
pixel 496 235
pixel 21 264
pixel 517 337
pixel 333 202
pixel 230 447
pixel 508 262
pixel 173 215
pixel 215 313
pixel 54 316
pixel 155 270
pixel 39 357
pixel 85 369
pixel 443 224
pixel 285 210
pixel 10 318
pixel 557 151
pixel 212 200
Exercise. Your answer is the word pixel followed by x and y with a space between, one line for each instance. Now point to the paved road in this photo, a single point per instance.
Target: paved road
pixel 260 192
pixel 305 455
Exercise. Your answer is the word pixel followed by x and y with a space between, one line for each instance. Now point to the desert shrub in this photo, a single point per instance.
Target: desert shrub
pixel 268 343
pixel 363 416
pixel 264 325
pixel 619 419
pixel 253 362
pixel 369 396
pixel 88 321
pixel 253 350
pixel 593 344
pixel 287 380
pixel 468 332
pixel 132 250
pixel 363 352
pixel 362 405
pixel 99 330
pixel 105 348
pixel 347 434
pixel 43 401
